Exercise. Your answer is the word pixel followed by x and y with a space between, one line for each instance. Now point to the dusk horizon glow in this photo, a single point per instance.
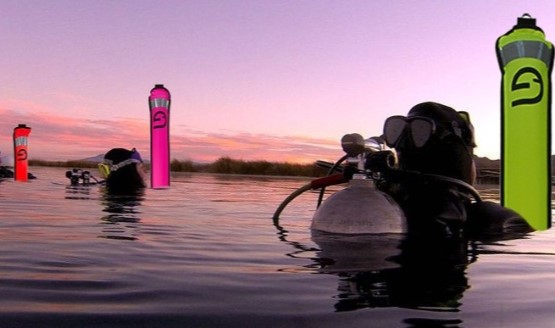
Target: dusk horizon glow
pixel 252 80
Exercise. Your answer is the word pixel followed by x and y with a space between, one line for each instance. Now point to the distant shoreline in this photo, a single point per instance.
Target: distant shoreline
pixel 488 171
pixel 223 165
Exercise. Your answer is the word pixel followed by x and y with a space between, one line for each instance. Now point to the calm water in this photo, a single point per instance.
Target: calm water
pixel 205 253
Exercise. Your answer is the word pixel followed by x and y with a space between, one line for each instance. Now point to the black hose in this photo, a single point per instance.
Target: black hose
pixel 330 172
pixel 329 180
pixel 399 174
pixel 459 183
pixel 287 200
pixel 391 173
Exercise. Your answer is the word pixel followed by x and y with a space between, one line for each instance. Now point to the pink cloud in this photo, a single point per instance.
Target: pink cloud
pixel 56 137
pixel 210 146
pixel 59 137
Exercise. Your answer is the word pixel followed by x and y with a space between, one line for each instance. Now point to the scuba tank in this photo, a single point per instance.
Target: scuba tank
pixel 359 208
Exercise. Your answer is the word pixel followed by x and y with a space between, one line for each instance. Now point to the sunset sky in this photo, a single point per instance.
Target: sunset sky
pixel 260 79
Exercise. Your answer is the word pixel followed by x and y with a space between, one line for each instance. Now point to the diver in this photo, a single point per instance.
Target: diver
pixel 7 168
pixel 81 177
pixel 436 140
pixel 5 172
pixel 124 191
pixel 123 170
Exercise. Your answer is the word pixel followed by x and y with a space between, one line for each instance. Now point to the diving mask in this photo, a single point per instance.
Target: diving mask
pixel 420 130
pixel 107 166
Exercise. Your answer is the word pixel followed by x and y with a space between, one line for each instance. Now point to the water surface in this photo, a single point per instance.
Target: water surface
pixel 205 253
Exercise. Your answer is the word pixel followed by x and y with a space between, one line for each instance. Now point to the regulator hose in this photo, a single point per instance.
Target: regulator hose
pixel 314 184
pixel 400 174
pixel 459 183
pixel 331 170
pixel 339 178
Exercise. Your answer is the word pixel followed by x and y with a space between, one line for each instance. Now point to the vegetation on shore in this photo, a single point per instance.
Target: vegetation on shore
pixel 487 169
pixel 224 165
pixel 72 164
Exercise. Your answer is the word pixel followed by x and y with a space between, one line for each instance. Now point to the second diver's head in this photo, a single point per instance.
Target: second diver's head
pixel 435 139
pixel 123 169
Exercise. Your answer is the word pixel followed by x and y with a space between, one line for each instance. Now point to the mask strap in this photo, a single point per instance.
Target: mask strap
pixel 119 165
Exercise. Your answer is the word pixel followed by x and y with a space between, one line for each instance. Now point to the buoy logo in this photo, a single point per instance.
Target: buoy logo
pixel 159 119
pixel 530 81
pixel 21 155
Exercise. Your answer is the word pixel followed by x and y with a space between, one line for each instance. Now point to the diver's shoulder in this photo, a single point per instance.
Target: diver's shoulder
pixel 490 218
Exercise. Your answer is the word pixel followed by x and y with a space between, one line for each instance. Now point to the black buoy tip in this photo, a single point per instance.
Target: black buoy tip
pixel 158 86
pixel 21 126
pixel 526 21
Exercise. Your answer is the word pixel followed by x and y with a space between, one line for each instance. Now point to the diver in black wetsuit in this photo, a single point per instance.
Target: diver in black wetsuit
pixel 125 190
pixel 5 172
pixel 437 140
pixel 124 170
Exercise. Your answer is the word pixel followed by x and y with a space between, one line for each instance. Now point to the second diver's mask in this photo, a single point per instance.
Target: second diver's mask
pixel 108 165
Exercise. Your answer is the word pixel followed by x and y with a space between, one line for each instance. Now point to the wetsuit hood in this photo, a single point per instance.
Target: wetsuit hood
pixel 123 169
pixel 449 151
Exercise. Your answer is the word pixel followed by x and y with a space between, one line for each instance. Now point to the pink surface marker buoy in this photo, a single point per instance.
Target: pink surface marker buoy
pixel 159 102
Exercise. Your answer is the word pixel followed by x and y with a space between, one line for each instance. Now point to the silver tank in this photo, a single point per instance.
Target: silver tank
pixel 359 209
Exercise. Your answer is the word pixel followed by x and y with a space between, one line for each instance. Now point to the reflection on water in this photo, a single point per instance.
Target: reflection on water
pixel 78 192
pixel 395 271
pixel 122 220
pixel 391 270
pixel 123 214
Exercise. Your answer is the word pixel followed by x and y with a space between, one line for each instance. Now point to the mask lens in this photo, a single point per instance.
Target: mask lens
pixel 393 129
pixel 421 131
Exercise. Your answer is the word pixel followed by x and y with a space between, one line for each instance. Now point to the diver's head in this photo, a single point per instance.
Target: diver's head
pixel 433 138
pixel 123 169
